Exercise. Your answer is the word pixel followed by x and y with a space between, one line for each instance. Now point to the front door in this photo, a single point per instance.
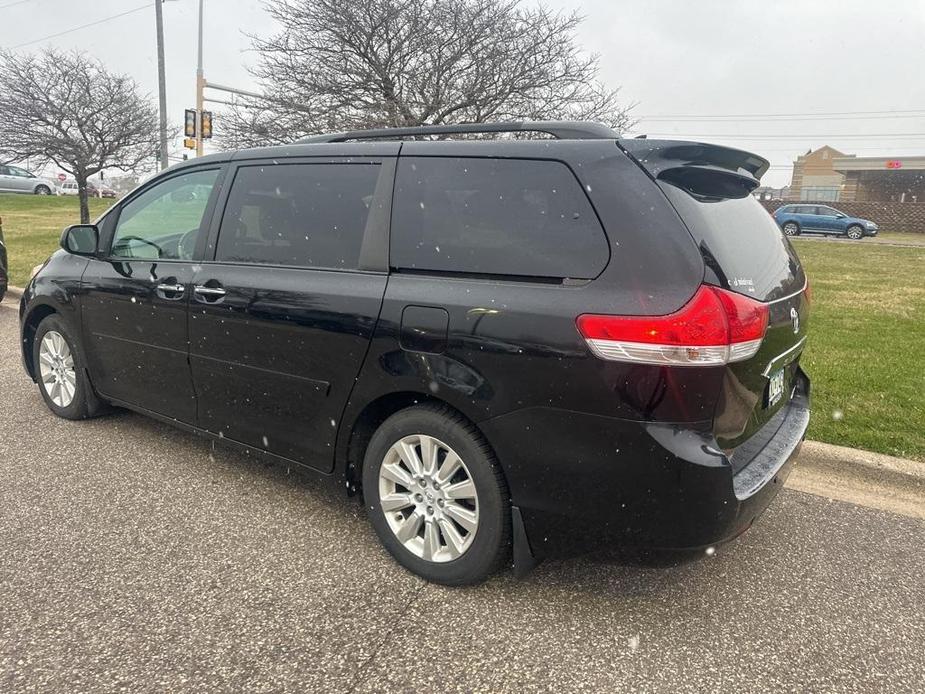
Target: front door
pixel 281 319
pixel 828 220
pixel 135 303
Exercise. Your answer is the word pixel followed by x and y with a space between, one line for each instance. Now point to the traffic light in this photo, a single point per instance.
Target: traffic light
pixel 206 125
pixel 189 126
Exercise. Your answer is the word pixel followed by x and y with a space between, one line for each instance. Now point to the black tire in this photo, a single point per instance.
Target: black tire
pixel 855 232
pixel 85 402
pixel 791 229
pixel 42 190
pixel 491 545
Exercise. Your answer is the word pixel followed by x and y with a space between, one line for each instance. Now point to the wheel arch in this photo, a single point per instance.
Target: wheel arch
pixel 37 313
pixel 371 416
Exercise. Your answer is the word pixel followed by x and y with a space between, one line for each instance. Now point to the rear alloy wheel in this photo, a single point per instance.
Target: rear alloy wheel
pixel 436 496
pixel 42 190
pixel 428 498
pixel 791 229
pixel 855 233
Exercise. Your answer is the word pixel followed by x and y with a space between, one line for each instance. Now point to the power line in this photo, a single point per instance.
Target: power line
pixel 776 136
pixel 82 26
pixel 764 116
pixel 13 4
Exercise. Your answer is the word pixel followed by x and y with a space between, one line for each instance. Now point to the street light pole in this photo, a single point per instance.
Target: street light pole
pixel 161 82
pixel 200 86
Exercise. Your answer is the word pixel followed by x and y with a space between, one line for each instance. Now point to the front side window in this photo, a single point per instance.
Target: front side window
pixel 22 173
pixel 513 217
pixel 164 221
pixel 298 215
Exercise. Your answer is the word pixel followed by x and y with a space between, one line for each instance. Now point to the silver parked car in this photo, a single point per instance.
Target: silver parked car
pixel 16 180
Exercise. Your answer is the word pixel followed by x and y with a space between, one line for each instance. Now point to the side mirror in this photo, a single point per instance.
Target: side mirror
pixel 839 215
pixel 80 239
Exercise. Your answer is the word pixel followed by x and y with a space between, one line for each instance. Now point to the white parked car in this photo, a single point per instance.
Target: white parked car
pixel 67 188
pixel 16 180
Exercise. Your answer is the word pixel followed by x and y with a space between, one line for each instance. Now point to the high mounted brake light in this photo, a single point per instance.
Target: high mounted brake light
pixel 715 327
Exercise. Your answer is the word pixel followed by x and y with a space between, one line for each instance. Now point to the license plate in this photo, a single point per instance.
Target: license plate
pixel 776 387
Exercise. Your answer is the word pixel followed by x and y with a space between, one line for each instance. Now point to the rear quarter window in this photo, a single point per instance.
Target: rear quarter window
pixel 514 217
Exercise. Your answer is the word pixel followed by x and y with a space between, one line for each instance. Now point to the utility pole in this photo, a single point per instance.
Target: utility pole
pixel 200 86
pixel 161 82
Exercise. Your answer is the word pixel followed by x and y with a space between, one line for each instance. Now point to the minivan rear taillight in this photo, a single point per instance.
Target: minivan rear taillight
pixel 715 327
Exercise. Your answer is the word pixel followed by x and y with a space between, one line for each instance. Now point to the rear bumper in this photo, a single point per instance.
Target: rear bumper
pixel 583 481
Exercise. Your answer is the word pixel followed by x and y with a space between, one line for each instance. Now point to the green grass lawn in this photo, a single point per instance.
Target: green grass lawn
pixel 866 339
pixel 867 330
pixel 32 225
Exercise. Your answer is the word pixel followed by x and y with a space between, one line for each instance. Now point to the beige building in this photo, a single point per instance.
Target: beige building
pixel 826 174
pixel 814 176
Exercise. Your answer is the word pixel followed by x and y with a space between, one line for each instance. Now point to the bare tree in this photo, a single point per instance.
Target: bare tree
pixel 376 63
pixel 67 108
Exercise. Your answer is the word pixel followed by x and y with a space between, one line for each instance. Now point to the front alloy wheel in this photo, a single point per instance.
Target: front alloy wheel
pixel 428 498
pixel 56 366
pixel 855 233
pixel 60 370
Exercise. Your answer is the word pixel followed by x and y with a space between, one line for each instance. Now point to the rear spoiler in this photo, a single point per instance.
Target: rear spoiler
pixel 701 169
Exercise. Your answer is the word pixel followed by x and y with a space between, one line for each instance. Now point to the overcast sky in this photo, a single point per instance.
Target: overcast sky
pixel 678 59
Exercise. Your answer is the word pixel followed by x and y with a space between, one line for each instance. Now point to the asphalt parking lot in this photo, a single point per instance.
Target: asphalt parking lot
pixel 135 558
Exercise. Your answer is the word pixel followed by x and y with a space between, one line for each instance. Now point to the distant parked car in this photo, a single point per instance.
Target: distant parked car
pixel 821 219
pixel 4 268
pixel 93 190
pixel 16 180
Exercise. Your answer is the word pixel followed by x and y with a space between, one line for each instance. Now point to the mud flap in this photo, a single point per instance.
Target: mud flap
pixel 524 560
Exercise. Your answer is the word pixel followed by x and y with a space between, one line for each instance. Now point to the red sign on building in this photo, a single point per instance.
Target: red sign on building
pixel 894 164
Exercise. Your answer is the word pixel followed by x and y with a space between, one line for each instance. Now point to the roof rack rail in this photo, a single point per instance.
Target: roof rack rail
pixel 562 130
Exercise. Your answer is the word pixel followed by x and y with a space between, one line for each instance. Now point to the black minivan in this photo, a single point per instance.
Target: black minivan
pixel 511 347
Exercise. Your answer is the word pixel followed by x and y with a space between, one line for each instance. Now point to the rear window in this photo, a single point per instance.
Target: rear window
pixel 514 217
pixel 298 215
pixel 741 244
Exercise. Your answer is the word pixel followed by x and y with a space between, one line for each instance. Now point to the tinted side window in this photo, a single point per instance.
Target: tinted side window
pixel 164 220
pixel 303 215
pixel 494 216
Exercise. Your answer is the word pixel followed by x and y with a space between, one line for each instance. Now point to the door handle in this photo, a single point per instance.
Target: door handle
pixel 210 294
pixel 170 289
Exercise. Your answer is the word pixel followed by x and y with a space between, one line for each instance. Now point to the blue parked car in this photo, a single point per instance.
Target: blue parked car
pixel 820 219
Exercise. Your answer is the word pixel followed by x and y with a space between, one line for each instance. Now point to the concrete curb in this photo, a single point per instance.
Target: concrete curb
pixel 860 477
pixel 15 292
pixel 873 466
